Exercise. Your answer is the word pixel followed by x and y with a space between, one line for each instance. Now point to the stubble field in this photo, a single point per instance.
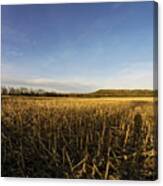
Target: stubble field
pixel 95 138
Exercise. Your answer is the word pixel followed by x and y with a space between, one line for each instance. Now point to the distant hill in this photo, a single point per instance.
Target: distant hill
pixel 123 93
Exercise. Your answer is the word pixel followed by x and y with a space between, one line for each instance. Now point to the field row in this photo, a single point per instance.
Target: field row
pixel 79 138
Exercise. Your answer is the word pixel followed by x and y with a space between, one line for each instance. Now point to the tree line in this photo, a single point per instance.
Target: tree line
pixel 22 91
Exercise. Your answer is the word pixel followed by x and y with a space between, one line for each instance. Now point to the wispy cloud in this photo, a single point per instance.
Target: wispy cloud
pixel 50 84
pixel 13 35
pixel 15 53
pixel 131 77
pixel 106 47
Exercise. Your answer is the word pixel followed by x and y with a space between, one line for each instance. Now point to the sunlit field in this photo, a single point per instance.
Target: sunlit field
pixel 95 138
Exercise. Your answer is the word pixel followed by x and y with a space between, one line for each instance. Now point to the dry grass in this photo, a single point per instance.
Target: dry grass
pixel 79 138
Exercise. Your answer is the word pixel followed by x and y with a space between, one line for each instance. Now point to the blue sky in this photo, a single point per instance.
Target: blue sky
pixel 78 47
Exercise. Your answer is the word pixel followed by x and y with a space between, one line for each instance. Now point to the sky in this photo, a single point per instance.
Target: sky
pixel 78 47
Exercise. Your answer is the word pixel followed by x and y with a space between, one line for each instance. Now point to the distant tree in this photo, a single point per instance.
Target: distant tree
pixel 24 91
pixel 12 91
pixel 40 91
pixel 4 91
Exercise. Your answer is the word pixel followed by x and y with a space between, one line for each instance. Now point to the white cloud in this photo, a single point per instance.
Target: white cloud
pixel 131 77
pixel 50 84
